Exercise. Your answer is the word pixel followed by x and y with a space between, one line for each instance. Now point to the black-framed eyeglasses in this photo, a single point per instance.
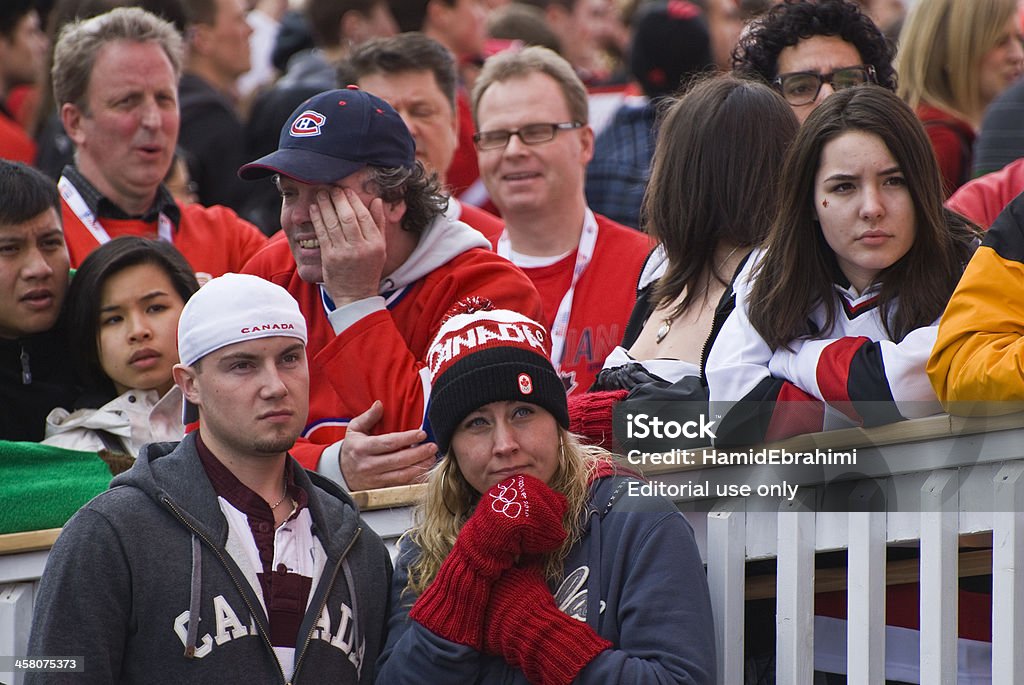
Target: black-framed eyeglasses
pixel 531 134
pixel 802 87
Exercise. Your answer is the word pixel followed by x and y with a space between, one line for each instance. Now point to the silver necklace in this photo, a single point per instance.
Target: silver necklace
pixel 666 323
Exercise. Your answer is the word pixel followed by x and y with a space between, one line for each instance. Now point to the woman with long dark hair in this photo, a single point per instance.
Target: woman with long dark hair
pixel 123 307
pixel 836 315
pixel 710 201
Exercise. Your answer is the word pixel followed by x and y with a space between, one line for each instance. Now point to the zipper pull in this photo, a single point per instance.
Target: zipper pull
pixel 26 370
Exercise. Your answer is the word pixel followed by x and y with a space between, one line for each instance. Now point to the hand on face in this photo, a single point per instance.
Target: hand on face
pixel 520 515
pixel 353 248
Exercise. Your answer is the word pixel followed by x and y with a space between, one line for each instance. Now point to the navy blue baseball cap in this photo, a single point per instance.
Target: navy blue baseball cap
pixel 335 134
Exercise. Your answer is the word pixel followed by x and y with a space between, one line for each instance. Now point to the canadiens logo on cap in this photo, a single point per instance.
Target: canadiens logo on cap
pixel 307 124
pixel 525 384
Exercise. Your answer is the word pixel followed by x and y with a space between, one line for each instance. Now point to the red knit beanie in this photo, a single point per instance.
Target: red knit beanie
pixel 482 355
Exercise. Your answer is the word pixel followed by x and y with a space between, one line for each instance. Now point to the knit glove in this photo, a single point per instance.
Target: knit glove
pixel 526 627
pixel 590 415
pixel 520 515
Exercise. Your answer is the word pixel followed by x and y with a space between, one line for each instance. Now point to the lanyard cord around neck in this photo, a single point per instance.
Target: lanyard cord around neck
pixel 584 253
pixel 81 210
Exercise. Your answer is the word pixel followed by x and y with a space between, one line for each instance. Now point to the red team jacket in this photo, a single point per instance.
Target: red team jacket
pixel 214 240
pixel 603 300
pixel 15 143
pixel 375 348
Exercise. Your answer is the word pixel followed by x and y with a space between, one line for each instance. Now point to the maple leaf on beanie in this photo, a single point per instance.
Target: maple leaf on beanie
pixel 482 355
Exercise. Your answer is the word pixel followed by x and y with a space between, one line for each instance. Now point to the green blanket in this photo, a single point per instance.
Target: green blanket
pixel 42 487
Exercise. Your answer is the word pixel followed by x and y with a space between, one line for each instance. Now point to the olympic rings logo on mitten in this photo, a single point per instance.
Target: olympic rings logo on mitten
pixel 505 502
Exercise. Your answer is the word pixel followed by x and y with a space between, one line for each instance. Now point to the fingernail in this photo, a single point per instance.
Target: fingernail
pixel 321 195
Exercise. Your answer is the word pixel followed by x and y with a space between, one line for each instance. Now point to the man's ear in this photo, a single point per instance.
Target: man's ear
pixel 436 14
pixel 71 117
pixel 185 378
pixel 354 27
pixel 198 37
pixel 394 212
pixel 587 143
pixel 558 17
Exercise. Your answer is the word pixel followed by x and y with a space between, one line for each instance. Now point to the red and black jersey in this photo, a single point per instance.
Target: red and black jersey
pixel 850 375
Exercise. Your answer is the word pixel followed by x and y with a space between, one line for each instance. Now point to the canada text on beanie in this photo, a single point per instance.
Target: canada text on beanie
pixel 481 356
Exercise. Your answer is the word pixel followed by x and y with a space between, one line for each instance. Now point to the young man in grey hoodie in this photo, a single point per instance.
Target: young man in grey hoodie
pixel 219 559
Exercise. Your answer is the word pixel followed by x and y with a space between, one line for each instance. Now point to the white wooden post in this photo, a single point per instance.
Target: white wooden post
pixel 865 595
pixel 15 620
pixel 726 555
pixel 794 613
pixel 939 589
pixel 1008 576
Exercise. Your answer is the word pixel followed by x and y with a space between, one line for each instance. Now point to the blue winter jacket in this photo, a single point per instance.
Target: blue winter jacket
pixel 636 577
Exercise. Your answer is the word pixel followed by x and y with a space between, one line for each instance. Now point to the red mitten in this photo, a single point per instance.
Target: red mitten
pixel 590 415
pixel 520 515
pixel 526 628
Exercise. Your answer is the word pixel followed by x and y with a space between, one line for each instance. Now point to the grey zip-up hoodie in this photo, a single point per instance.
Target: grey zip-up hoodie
pixel 135 564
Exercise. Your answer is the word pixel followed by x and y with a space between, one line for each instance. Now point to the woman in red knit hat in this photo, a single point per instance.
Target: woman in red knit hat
pixel 532 558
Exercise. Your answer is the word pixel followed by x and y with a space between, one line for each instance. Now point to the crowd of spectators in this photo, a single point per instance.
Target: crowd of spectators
pixel 481 225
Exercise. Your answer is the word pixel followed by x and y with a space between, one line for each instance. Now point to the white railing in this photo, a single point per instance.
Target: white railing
pixel 951 478
pixel 943 477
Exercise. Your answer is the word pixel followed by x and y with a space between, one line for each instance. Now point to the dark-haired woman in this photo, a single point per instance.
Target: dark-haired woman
pixel 836 316
pixel 711 199
pixel 123 309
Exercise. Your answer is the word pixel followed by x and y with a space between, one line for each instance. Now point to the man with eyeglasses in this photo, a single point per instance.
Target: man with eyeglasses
pixel 533 145
pixel 375 265
pixel 809 49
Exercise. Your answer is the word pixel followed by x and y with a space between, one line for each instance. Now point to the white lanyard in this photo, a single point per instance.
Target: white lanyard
pixel 584 253
pixel 77 204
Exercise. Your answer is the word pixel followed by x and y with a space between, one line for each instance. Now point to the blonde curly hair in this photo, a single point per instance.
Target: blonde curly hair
pixel 450 500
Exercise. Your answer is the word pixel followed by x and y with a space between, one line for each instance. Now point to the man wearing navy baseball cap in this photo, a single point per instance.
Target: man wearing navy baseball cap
pixel 374 264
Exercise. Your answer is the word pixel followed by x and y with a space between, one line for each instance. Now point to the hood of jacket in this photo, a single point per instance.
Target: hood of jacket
pixel 441 241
